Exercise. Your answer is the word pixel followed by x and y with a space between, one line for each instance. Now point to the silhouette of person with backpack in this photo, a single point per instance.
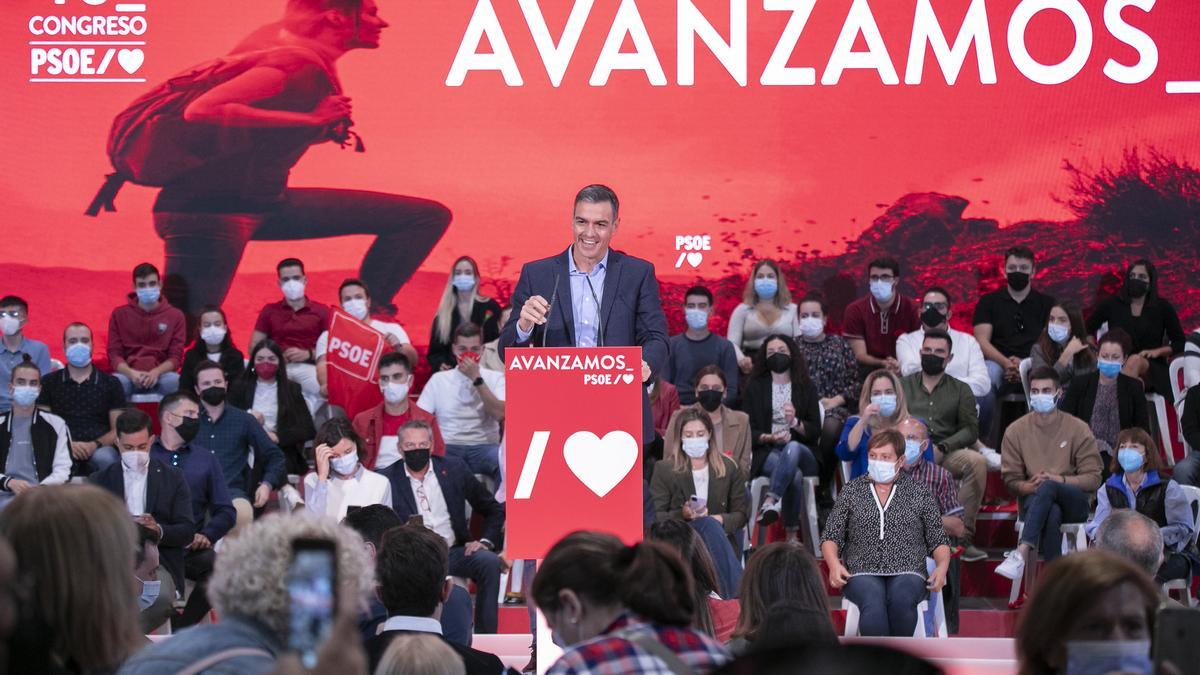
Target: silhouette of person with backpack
pixel 221 138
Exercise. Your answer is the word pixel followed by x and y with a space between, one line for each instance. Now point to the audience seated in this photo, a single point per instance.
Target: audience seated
pixel 1051 465
pixel 766 309
pixel 412 565
pixel 295 323
pixel 1135 484
pixel 731 427
pixel 34 445
pixel 947 407
pixel 250 597
pixel 621 609
pixel 437 489
pixel 57 533
pixel 264 391
pixel 15 347
pixel 380 425
pixel 87 399
pixel 355 300
pixel 491 350
pixel 468 402
pixel 697 483
pixel 698 347
pixel 157 496
pixel 782 572
pixel 370 522
pixel 881 406
pixel 212 509
pixel 873 323
pixel 715 615
pixel 1084 599
pixel 1009 321
pixel 1064 345
pixel 461 303
pixel 876 539
pixel 146 337
pixel 340 481
pixel 1151 322
pixel 1187 470
pixel 1134 537
pixel 423 654
pixel 1106 399
pixel 214 343
pixel 785 421
pixel 232 434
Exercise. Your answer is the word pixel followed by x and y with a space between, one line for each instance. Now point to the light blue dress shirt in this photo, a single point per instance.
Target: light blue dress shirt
pixel 584 305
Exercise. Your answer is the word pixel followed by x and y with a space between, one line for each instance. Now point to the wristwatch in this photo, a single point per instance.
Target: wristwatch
pixel 478 382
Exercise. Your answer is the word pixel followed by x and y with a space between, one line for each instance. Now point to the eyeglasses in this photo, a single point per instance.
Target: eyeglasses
pixel 939 306
pixel 886 278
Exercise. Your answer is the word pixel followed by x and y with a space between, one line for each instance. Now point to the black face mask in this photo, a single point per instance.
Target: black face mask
pixel 188 428
pixel 1018 281
pixel 710 399
pixel 779 362
pixel 932 364
pixel 931 317
pixel 1137 288
pixel 213 395
pixel 416 459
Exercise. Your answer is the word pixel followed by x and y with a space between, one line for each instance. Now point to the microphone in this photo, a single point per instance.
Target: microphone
pixel 553 297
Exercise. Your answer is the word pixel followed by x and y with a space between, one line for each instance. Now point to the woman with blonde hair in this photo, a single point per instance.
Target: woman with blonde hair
pixel 461 302
pixel 420 654
pixel 89 621
pixel 766 309
pixel 881 406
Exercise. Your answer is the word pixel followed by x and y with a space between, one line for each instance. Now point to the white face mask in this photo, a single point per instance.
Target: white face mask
pixel 135 460
pixel 212 335
pixel 811 326
pixel 345 464
pixel 881 471
pixel 150 591
pixel 356 307
pixel 293 289
pixel 394 392
pixel 10 325
pixel 695 447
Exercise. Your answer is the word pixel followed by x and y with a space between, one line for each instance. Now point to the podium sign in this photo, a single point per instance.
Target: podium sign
pixel 573 426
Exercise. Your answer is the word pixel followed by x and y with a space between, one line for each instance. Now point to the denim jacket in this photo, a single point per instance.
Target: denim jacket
pixel 193 644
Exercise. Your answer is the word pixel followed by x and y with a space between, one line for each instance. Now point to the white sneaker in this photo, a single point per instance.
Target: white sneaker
pixel 1013 566
pixel 992 457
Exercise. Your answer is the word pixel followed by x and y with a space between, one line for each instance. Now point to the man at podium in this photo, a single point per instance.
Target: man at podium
pixel 591 295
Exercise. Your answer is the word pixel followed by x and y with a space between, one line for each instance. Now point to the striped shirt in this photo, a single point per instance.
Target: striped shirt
pixel 940 484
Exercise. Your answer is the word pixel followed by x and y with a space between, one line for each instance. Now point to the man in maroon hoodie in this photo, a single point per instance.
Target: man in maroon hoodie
pixel 146 338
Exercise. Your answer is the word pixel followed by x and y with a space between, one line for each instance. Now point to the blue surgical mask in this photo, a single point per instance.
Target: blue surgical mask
pixel 881 471
pixel 25 395
pixel 79 354
pixel 1042 403
pixel 766 288
pixel 148 295
pixel 1108 368
pixel 1109 656
pixel 345 464
pixel 697 319
pixel 1058 332
pixel 464 282
pixel 886 403
pixel 1129 459
pixel 150 591
pixel 912 451
pixel 882 290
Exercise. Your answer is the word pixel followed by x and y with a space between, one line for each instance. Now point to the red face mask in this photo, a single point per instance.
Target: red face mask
pixel 266 370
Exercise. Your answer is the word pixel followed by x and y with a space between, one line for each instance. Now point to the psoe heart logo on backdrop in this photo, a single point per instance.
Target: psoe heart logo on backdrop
pixel 600 463
pixel 691 249
pixel 70 46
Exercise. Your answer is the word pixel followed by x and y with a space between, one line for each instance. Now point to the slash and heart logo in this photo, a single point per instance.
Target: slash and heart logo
pixel 131 59
pixel 600 463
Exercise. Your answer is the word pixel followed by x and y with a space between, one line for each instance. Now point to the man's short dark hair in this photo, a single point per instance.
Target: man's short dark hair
pixel 170 400
pixel 133 420
pixel 146 535
pixel 939 335
pixel 353 282
pixel 1020 252
pixel 394 359
pixel 1045 373
pixel 467 329
pixel 411 565
pixel 598 194
pixel 940 291
pixel 698 290
pixel 371 522
pixel 14 301
pixel 885 263
pixel 74 324
pixel 416 424
pixel 207 365
pixel 289 262
pixel 144 270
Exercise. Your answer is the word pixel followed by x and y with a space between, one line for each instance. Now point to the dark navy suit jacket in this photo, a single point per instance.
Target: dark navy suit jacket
pixel 459 486
pixel 169 501
pixel 631 313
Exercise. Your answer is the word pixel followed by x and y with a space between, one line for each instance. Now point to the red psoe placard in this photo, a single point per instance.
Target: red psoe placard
pixel 573 425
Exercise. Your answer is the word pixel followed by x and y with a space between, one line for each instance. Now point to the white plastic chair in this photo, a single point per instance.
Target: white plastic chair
pixel 929 625
pixel 1185 585
pixel 1187 447
pixel 55 364
pixel 1163 424
pixel 1074 539
pixel 1024 368
pixel 145 398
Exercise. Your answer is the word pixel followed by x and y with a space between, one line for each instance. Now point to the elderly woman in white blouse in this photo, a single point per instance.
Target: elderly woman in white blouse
pixel 341 481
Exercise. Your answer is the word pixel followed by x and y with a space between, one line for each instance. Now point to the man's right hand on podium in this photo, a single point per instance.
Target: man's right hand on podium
pixel 533 313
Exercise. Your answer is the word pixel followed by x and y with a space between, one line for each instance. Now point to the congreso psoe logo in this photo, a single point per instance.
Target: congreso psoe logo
pixel 86 41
